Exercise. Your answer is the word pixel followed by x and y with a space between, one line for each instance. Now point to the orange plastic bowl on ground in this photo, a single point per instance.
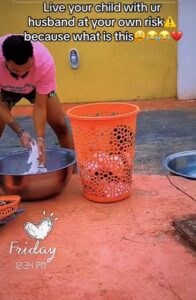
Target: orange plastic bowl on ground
pixel 8 209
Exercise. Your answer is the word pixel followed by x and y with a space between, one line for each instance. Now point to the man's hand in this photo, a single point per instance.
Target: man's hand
pixel 41 151
pixel 25 139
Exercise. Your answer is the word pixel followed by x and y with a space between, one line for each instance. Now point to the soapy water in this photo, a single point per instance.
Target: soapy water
pixel 33 160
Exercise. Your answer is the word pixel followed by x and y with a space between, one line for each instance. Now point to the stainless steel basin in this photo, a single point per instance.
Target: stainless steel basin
pixel 182 163
pixel 59 164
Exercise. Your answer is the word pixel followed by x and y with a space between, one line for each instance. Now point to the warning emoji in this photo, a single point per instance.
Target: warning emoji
pixel 170 23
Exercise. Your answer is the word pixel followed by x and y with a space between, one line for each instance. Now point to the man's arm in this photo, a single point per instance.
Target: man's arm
pixel 39 118
pixel 8 119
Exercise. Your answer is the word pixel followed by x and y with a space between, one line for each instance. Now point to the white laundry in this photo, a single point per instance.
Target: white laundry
pixel 33 159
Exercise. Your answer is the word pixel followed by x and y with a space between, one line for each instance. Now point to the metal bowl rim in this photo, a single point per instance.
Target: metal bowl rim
pixel 40 174
pixel 177 155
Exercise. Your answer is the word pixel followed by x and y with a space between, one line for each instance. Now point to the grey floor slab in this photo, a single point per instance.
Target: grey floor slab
pixel 159 133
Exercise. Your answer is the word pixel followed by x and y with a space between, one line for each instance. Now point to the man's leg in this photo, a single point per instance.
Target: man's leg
pixel 8 99
pixel 2 127
pixel 56 120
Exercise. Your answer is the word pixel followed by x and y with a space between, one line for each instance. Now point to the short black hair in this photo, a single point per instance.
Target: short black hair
pixel 18 50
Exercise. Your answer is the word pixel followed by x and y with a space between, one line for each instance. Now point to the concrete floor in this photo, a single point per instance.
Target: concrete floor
pixel 159 133
pixel 126 250
pixel 119 251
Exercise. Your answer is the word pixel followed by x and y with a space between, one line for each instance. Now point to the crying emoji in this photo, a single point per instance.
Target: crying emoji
pixel 152 35
pixel 164 36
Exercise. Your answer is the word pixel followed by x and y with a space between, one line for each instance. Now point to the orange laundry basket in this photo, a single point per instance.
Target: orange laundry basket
pixel 104 137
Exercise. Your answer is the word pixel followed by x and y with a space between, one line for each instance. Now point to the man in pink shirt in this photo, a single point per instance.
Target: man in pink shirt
pixel 27 70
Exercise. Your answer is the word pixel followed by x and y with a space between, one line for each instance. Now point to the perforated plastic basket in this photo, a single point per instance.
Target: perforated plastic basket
pixel 10 206
pixel 104 137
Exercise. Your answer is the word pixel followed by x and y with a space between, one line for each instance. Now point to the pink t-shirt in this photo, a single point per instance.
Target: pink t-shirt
pixel 41 75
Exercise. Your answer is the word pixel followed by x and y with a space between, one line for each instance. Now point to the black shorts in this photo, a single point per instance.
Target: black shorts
pixel 10 98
